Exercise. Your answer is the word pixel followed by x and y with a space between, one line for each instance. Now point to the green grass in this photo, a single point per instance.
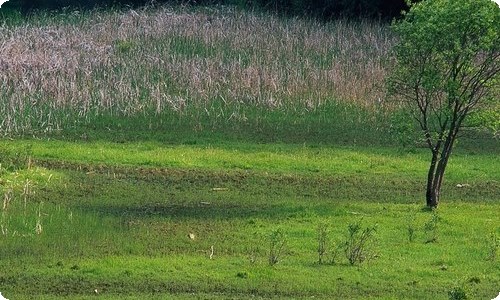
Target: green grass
pixel 116 218
pixel 274 157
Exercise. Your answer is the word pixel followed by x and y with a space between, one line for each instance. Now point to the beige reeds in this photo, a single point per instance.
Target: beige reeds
pixel 124 63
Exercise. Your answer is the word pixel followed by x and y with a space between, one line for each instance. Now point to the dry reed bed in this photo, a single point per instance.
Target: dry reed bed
pixel 151 61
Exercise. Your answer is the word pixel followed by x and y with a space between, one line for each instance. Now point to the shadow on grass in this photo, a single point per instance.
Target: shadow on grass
pixel 205 211
pixel 331 124
pixel 334 124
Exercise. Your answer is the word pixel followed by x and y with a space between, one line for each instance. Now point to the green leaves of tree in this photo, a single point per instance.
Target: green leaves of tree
pixel 447 64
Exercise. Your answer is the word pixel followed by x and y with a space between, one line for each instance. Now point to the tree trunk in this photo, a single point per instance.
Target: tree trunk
pixel 435 186
pixel 431 194
pixel 433 197
pixel 437 168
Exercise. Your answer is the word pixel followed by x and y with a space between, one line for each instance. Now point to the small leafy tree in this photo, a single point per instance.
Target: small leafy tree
pixel 447 66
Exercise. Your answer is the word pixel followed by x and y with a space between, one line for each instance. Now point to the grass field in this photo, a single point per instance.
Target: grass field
pixel 186 162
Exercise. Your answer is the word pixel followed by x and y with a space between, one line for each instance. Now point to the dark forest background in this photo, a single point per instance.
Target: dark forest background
pixel 323 9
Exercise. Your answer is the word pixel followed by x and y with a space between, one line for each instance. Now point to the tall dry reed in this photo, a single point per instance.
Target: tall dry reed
pixel 172 59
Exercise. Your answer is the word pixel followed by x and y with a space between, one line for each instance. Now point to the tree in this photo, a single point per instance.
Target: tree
pixel 447 66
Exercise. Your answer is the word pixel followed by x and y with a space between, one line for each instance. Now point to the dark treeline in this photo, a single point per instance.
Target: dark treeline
pixel 323 9
pixel 327 9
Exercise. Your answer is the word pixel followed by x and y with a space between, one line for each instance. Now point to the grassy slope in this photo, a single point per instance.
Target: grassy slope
pixel 267 161
pixel 116 218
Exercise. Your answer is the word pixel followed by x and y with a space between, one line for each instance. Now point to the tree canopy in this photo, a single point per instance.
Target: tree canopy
pixel 448 64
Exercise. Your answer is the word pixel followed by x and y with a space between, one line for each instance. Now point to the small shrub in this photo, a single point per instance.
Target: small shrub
pixel 277 242
pixel 359 244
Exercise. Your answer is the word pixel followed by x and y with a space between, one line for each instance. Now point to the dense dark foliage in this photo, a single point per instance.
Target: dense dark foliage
pixel 324 9
pixel 327 9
